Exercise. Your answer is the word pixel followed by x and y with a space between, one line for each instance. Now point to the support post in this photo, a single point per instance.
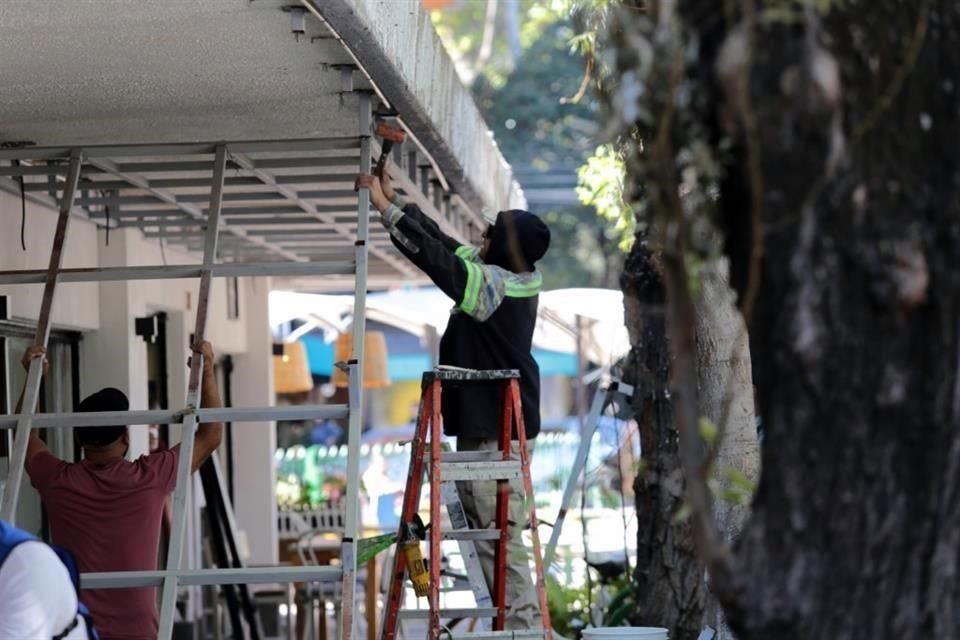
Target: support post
pixel 168 599
pixel 351 532
pixel 18 457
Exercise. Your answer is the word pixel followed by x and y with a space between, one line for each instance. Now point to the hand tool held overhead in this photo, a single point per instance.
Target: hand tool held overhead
pixel 391 135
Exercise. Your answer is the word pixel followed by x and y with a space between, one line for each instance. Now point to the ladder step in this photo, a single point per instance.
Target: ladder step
pixel 472 456
pixel 176 271
pixel 472 534
pixel 523 634
pixel 454 471
pixel 472 612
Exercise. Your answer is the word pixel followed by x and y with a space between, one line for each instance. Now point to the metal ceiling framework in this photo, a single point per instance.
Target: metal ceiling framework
pixel 284 202
pixel 214 182
pixel 288 200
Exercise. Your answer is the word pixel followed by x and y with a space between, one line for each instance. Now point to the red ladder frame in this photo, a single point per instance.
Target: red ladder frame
pixel 429 420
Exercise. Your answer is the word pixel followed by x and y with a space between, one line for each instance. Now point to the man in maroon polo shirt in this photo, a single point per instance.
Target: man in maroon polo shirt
pixel 107 510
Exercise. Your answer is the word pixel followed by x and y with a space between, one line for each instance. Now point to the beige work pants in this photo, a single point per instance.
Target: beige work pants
pixel 479 500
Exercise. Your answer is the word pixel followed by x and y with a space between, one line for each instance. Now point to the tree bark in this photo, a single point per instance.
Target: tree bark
pixel 669 576
pixel 725 396
pixel 840 209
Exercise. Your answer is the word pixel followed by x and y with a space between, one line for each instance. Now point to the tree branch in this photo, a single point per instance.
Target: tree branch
pixel 486 44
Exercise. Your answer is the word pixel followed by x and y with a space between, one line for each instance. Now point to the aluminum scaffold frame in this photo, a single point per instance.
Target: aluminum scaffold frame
pixel 173 576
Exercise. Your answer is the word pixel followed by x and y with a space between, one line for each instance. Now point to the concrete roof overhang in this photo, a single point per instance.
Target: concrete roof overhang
pixel 148 88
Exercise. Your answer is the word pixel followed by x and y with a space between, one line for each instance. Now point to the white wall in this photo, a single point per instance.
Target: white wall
pixel 254 443
pixel 72 309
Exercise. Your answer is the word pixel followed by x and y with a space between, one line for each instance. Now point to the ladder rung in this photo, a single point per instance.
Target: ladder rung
pixel 472 612
pixel 165 416
pixel 472 456
pixel 471 534
pixel 197 577
pixel 169 272
pixel 523 634
pixel 454 471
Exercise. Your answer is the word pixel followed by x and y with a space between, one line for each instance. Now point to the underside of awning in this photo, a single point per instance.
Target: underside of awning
pixel 146 91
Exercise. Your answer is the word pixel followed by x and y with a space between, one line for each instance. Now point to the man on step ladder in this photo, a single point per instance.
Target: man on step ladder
pixel 495 290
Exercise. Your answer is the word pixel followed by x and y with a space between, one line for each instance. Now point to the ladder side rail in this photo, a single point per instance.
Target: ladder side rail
pixel 503 514
pixel 168 599
pixel 351 529
pixel 411 503
pixel 436 477
pixel 600 399
pixel 18 457
pixel 528 490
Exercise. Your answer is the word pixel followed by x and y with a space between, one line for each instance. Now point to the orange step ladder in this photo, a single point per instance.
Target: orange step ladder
pixel 444 469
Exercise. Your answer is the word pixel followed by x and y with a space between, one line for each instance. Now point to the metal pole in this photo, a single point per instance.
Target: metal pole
pixel 18 457
pixel 352 524
pixel 168 599
pixel 586 435
pixel 580 389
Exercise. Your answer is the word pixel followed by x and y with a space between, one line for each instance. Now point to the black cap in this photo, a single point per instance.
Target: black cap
pixel 108 399
pixel 517 240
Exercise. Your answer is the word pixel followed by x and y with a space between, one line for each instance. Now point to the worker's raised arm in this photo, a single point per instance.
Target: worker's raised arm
pixel 451 266
pixel 413 212
pixel 209 434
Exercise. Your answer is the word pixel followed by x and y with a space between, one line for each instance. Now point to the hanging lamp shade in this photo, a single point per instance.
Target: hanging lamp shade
pixel 375 375
pixel 291 370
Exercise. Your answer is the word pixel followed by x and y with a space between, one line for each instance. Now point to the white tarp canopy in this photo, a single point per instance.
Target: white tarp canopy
pixel 413 309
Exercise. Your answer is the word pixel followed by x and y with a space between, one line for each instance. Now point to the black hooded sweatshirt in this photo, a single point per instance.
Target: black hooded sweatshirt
pixel 495 313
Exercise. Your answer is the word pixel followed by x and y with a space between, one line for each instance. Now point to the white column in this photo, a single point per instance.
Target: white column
pixel 254 444
pixel 114 356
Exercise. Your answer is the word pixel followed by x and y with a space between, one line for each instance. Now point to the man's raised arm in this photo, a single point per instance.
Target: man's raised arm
pixel 35 444
pixel 209 434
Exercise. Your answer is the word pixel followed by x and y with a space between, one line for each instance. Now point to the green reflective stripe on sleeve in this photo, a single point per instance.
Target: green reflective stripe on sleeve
pixel 471 293
pixel 524 289
pixel 465 252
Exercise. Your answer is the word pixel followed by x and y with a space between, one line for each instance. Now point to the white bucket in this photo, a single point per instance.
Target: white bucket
pixel 626 633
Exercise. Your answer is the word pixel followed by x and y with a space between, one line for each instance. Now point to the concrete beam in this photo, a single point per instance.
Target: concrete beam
pixel 398 48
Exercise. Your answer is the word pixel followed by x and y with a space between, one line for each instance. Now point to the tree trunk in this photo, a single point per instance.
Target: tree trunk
pixel 669 576
pixel 726 398
pixel 840 207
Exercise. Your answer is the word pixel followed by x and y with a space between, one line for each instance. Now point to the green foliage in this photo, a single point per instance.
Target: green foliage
pixel 708 430
pixel 542 135
pixel 738 488
pixel 461 29
pixel 600 185
pixel 567 606
pixel 623 604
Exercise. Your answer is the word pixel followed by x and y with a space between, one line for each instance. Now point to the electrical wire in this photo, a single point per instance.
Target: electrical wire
pixel 23 209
